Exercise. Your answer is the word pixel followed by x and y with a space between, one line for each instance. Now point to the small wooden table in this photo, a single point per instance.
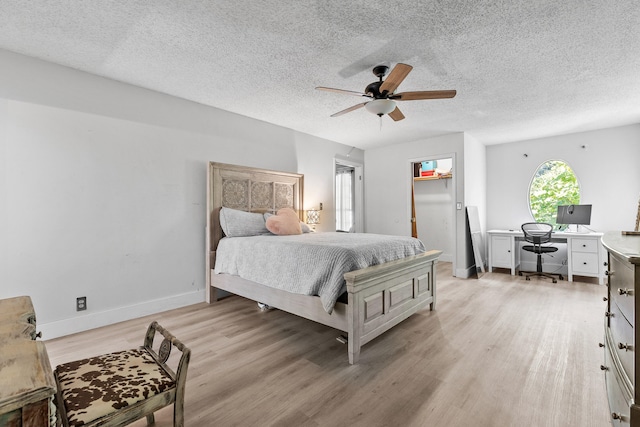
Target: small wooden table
pixel 27 385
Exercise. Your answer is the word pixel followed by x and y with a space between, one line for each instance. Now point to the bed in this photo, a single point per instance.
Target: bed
pixel 378 297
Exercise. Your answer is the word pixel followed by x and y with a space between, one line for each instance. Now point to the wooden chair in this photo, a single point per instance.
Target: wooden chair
pixel 538 234
pixel 119 388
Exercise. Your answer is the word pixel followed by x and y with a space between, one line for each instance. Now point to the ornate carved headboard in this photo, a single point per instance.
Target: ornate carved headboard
pixel 247 189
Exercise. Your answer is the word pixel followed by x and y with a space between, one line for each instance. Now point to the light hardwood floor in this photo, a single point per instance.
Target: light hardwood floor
pixel 498 351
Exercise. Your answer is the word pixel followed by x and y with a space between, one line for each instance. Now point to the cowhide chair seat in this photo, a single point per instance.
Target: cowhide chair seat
pixel 118 388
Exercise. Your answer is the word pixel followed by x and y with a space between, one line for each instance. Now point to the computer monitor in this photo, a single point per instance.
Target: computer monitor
pixel 574 214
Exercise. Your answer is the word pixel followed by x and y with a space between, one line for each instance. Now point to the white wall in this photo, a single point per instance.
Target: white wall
pixel 388 177
pixel 475 189
pixel 313 160
pixel 102 190
pixel 3 191
pixel 475 170
pixel 607 171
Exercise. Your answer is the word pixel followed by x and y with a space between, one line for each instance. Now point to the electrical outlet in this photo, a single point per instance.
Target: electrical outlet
pixel 81 303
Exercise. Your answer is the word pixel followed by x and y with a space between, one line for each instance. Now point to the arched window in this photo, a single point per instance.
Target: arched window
pixel 554 183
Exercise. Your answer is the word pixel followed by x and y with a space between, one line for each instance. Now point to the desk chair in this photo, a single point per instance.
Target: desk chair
pixel 538 233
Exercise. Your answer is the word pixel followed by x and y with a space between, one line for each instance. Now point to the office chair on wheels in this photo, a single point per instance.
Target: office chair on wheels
pixel 538 233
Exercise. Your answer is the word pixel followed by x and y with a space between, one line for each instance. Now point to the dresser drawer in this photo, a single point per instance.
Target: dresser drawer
pixel 585 245
pixel 623 340
pixel 584 262
pixel 619 409
pixel 621 286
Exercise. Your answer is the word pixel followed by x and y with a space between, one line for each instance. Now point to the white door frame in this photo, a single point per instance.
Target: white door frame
pixel 358 185
pixel 454 174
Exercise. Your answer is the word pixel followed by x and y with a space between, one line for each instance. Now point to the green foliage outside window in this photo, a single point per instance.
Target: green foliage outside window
pixel 553 184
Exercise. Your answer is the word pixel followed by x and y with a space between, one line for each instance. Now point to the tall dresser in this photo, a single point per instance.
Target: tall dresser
pixel 621 361
pixel 27 386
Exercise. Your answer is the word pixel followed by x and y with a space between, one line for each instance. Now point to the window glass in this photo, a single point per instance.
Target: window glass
pixel 553 184
pixel 344 198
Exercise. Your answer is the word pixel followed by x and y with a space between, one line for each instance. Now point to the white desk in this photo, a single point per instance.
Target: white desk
pixel 585 253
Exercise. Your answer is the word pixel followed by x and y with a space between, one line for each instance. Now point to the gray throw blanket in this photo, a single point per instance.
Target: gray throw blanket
pixel 310 263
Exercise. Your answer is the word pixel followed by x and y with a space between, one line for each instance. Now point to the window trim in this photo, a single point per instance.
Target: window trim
pixel 533 177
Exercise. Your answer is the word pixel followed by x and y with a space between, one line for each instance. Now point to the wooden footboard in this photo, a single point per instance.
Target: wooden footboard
pixel 380 297
pixel 384 295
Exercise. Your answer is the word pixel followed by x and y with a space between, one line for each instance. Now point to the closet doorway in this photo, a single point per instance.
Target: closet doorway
pixel 348 196
pixel 433 205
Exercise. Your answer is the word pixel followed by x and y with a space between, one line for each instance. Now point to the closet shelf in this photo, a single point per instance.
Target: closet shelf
pixel 430 178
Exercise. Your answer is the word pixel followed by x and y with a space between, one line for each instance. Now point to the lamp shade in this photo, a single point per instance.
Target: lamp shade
pixel 313 217
pixel 380 106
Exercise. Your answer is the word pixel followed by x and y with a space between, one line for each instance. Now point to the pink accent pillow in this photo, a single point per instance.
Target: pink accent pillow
pixel 285 222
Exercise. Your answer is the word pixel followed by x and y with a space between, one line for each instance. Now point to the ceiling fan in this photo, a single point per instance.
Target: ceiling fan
pixel 382 93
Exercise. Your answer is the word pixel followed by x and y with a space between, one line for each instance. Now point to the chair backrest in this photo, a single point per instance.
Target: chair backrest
pixel 537 232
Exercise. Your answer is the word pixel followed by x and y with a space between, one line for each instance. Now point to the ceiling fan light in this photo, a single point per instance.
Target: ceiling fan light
pixel 380 106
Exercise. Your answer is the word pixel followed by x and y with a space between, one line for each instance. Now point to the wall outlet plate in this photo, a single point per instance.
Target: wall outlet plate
pixel 81 303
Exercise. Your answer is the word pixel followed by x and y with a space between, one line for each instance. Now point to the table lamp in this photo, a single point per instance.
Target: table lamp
pixel 313 218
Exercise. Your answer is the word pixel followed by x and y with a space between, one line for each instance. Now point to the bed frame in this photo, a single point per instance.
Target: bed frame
pixel 379 297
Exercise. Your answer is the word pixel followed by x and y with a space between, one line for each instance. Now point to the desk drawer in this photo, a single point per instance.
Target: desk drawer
pixel 623 341
pixel 584 262
pixel 621 286
pixel 585 245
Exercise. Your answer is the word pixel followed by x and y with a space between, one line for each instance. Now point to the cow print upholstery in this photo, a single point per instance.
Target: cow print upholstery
pixel 94 387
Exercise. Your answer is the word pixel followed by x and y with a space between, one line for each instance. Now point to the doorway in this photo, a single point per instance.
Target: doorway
pixel 433 205
pixel 348 196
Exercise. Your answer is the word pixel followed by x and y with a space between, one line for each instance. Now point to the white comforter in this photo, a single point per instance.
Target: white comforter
pixel 310 263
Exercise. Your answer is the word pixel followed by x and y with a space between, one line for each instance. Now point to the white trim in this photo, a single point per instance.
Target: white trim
pixel 359 198
pixel 465 273
pixel 95 320
pixel 446 258
pixel 358 176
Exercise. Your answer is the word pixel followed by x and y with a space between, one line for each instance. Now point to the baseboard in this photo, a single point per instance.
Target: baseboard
pixel 445 258
pixel 95 320
pixel 465 273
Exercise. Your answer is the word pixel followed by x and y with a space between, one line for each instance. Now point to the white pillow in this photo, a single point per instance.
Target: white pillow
pixel 237 223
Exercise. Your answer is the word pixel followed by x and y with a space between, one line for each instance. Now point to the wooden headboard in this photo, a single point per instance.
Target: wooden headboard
pixel 247 189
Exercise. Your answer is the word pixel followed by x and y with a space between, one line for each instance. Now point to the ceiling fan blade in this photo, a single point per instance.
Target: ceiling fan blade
pixel 423 94
pixel 396 76
pixel 396 115
pixel 345 92
pixel 350 109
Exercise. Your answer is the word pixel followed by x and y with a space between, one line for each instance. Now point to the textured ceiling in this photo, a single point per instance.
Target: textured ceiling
pixel 523 69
